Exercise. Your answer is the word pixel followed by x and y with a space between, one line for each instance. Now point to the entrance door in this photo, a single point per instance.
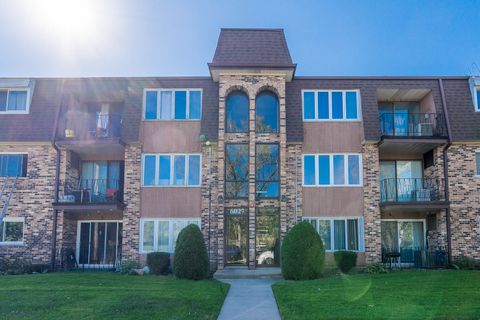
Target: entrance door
pixel 99 243
pixel 236 248
pixel 404 237
pixel 267 242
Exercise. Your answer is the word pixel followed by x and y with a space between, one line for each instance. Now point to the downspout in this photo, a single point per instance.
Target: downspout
pixel 53 256
pixel 445 172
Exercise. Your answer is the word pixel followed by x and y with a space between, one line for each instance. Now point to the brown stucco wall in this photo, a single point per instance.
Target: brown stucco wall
pixel 175 202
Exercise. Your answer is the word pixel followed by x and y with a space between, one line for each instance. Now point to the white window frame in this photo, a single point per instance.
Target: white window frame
pixel 172 112
pixel 331 184
pixel 17 153
pixel 156 222
pixel 360 231
pixel 27 107
pixel 2 233
pixel 172 164
pixel 344 104
pixel 476 94
pixel 77 247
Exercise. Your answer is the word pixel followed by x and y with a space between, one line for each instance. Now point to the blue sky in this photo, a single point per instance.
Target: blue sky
pixel 178 38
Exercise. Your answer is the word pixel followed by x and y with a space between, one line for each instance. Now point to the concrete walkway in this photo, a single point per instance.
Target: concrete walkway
pixel 249 299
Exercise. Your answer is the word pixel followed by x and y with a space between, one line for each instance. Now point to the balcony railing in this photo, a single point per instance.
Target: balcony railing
pixel 406 124
pixel 91 191
pixel 412 190
pixel 91 125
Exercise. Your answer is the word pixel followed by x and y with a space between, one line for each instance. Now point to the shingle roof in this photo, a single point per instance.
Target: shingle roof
pixel 252 48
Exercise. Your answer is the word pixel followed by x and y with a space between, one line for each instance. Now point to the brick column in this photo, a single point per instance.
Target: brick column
pixel 371 195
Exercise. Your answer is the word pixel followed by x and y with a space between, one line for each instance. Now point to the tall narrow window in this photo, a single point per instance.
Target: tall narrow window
pixel 266 113
pixel 180 105
pixel 309 170
pixel 267 175
pixel 236 170
pixel 477 160
pixel 323 112
pixel 309 105
pixel 236 112
pixel 151 105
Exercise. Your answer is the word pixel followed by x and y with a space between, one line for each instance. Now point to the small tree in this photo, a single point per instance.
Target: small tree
pixel 191 258
pixel 303 255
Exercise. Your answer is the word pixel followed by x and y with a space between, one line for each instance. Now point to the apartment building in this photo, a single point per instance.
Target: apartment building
pixel 109 169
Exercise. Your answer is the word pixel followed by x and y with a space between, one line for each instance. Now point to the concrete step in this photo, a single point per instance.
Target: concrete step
pixel 245 273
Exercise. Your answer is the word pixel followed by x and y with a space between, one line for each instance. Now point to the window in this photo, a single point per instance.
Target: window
pixel 332 170
pixel 236 170
pixel 171 170
pixel 236 112
pixel 331 105
pixel 477 91
pixel 266 113
pixel 267 175
pixel 13 165
pixel 178 104
pixel 14 100
pixel 339 233
pixel 11 230
pixel 477 160
pixel 162 234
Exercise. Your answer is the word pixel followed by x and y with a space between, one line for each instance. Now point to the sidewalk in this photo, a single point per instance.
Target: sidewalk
pixel 250 299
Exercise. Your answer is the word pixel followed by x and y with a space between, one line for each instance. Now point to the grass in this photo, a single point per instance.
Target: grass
pixel 442 294
pixel 108 296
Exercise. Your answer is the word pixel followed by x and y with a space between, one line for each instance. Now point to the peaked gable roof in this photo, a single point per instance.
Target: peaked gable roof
pixel 252 48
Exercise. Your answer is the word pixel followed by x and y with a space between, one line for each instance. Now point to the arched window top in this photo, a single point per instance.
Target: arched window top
pixel 236 112
pixel 266 112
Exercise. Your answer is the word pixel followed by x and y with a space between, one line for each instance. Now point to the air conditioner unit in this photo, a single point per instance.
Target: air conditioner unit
pixel 425 129
pixel 421 195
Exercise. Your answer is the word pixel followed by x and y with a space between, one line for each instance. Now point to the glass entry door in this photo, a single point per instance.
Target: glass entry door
pixel 236 249
pixel 267 242
pixel 100 243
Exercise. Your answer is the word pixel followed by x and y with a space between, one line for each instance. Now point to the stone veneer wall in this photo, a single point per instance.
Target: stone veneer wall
pixel 464 188
pixel 294 195
pixel 252 85
pixel 32 200
pixel 371 195
pixel 131 213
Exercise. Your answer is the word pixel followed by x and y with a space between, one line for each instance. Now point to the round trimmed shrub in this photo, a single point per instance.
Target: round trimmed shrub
pixel 345 260
pixel 158 262
pixel 191 258
pixel 303 254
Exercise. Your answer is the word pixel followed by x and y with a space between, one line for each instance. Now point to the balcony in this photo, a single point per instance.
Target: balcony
pixel 412 194
pixel 91 132
pixel 406 132
pixel 90 195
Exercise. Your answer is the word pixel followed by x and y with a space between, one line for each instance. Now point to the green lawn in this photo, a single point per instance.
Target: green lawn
pixel 108 296
pixel 443 294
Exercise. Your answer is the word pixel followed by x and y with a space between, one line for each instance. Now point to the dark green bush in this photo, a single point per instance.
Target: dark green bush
pixel 191 258
pixel 345 260
pixel 303 255
pixel 21 266
pixel 158 262
pixel 376 268
pixel 467 263
pixel 127 266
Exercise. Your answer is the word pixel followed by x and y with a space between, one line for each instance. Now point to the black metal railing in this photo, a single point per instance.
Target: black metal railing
pixel 412 190
pixel 91 191
pixel 416 257
pixel 406 124
pixel 90 125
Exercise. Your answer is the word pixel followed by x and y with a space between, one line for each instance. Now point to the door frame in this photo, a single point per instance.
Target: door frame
pixel 225 227
pixel 77 246
pixel 279 236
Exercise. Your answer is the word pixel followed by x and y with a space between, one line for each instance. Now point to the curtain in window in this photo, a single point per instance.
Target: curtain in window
pixel 339 234
pixel 17 100
pixel 352 229
pixel 389 237
pixel 325 233
pixel 165 105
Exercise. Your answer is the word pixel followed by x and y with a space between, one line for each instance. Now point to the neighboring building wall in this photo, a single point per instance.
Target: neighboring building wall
pixel 32 200
pixel 464 188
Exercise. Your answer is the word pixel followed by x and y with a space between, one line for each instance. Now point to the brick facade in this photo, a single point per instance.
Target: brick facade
pixel 32 201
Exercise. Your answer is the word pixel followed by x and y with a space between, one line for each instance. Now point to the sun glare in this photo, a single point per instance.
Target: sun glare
pixel 68 19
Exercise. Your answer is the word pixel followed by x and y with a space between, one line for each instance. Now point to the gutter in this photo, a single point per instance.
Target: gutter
pixel 53 255
pixel 445 171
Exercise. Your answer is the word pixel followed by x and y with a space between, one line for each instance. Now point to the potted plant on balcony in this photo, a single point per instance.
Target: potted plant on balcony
pixel 69 133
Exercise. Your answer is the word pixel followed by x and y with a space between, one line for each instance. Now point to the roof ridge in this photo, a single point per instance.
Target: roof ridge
pixel 254 29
